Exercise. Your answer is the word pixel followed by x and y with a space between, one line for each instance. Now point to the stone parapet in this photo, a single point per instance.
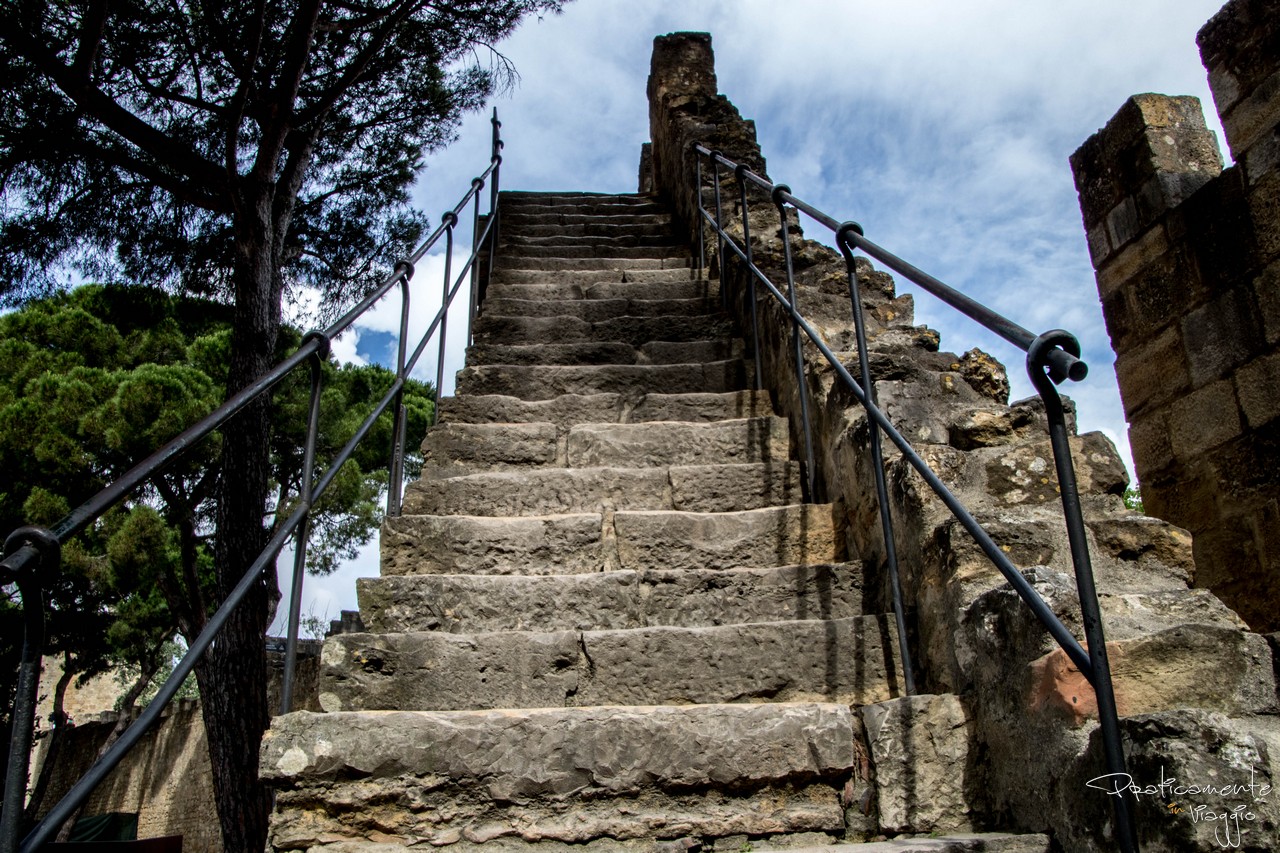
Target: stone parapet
pixel 1186 259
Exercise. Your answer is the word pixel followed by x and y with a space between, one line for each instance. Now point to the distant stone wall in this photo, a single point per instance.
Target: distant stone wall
pixel 1188 267
pixel 166 779
pixel 1195 688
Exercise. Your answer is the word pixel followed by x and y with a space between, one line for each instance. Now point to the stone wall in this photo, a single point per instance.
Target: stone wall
pixel 166 778
pixel 1196 688
pixel 1188 267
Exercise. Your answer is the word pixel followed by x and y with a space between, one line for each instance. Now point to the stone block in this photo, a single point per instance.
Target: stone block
pixel 729 488
pixel 764 537
pixel 1264 208
pixel 1151 445
pixel 1203 419
pixel 1220 336
pixel 1266 290
pixel 1253 116
pixel 924 769
pixel 543 383
pixel 562 410
pixel 1153 372
pixel 1026 475
pixel 701 407
pixel 565 775
pixel 1258 389
pixel 674 443
pixel 851 661
pixel 541 545
pixel 550 491
pixel 1132 260
pixel 453 449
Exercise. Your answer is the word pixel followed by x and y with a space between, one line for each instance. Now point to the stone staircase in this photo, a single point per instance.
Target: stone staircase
pixel 605 618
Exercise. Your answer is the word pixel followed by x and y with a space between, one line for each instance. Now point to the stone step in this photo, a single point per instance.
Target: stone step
pixel 454 449
pixel 515 218
pixel 958 842
pixel 559 776
pixel 609 600
pixel 837 660
pixel 509 242
pixel 504 262
pixel 567 304
pixel 518 198
pixel 596 251
pixel 607 352
pixel 517 275
pixel 591 228
pixel 801 534
pixel 545 382
pixel 572 409
pixel 635 291
pixel 553 491
pixel 499 329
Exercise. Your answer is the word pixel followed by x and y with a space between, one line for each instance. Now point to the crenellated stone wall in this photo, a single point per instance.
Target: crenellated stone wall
pixel 1196 688
pixel 1188 268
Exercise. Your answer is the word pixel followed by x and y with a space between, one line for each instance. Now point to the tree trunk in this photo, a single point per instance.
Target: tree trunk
pixel 233 674
pixel 61 723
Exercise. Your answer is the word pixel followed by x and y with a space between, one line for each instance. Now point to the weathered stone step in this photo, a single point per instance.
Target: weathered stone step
pixel 566 304
pixel 516 275
pixel 594 251
pixel 959 842
pixel 452 449
pixel 571 409
pixel 545 382
pixel 640 292
pixel 551 491
pixel 623 241
pixel 515 218
pixel 591 228
pixel 523 198
pixel 498 329
pixel 565 775
pixel 837 660
pixel 592 542
pixel 608 352
pixel 609 600
pixel 517 262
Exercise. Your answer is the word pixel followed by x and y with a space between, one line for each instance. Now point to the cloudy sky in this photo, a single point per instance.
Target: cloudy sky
pixel 944 128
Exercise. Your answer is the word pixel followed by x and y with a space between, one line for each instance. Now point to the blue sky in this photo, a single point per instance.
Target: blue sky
pixel 943 128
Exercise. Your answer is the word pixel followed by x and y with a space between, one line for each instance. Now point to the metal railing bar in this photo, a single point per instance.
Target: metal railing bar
pixel 1011 573
pixel 1063 365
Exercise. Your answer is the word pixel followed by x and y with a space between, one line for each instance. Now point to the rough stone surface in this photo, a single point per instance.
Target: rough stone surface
pixel 609 600
pixel 925 772
pixel 433 544
pixel 557 775
pixel 765 661
pixel 765 537
pixel 543 383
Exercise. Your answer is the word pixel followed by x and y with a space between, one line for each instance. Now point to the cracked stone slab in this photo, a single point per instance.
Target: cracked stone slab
pixel 451 449
pixel 609 600
pixel 561 411
pixel 492 328
pixel 508 275
pixel 838 660
pixel 535 302
pixel 701 407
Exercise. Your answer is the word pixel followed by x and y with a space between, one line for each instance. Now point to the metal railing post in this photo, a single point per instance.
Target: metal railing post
pixel 876 457
pixel 1095 639
pixel 702 245
pixel 473 299
pixel 22 718
pixel 715 177
pixel 740 171
pixel 304 528
pixel 802 386
pixel 395 474
pixel 450 219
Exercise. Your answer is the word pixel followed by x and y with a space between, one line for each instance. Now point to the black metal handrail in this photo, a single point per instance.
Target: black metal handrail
pixel 31 552
pixel 1052 357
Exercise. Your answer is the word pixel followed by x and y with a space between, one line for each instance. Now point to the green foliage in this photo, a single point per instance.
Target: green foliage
pixel 1133 498
pixel 93 382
